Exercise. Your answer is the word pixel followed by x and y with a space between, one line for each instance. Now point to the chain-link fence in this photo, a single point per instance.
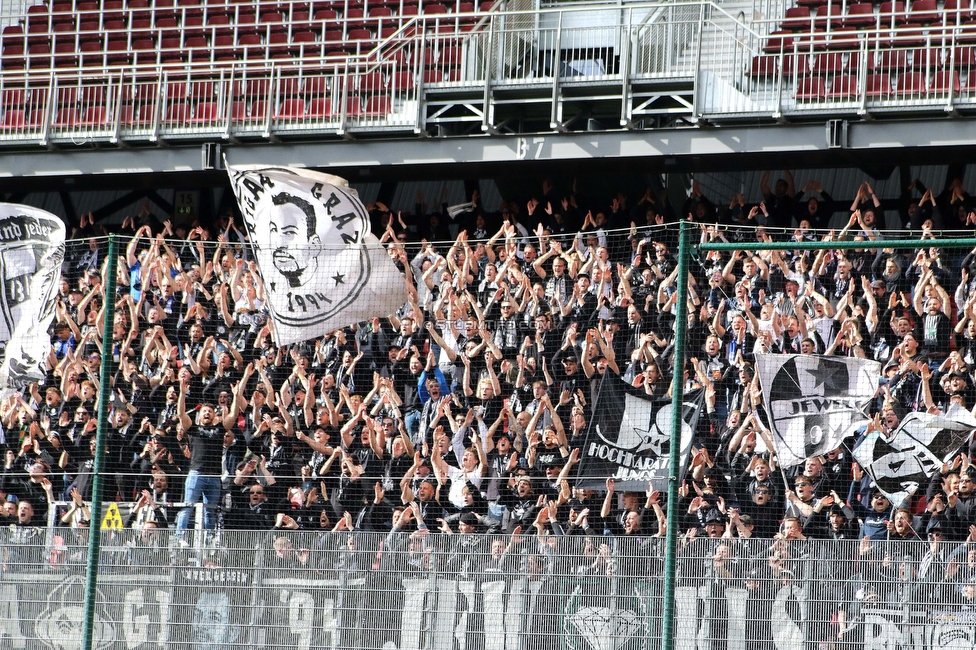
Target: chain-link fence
pixel 325 589
pixel 510 421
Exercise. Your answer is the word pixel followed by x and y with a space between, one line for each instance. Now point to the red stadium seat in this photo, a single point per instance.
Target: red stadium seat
pixel 66 117
pixel 13 119
pixel 892 60
pixel 320 107
pixel 378 105
pixel 828 63
pixel 371 83
pixel 860 14
pixel 956 12
pixel 317 86
pixel 291 109
pixel 924 11
pixel 810 89
pixel 354 106
pixel 878 86
pixel 401 82
pixel 943 80
pixel 94 116
pixel 892 13
pixel 778 41
pixel 797 19
pixel 843 87
pixel 289 87
pixel 847 38
pixel 177 113
pixel 926 58
pixel 205 113
pixel 830 13
pixel 911 83
pixel 962 57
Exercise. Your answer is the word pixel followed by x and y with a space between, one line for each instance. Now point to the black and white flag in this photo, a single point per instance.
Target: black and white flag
pixel 915 450
pixel 322 268
pixel 629 438
pixel 31 253
pixel 814 401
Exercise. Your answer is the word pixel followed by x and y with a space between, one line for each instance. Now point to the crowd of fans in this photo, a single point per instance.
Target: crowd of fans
pixel 466 410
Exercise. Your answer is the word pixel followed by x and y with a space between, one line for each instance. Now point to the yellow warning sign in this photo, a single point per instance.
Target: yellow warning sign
pixel 113 518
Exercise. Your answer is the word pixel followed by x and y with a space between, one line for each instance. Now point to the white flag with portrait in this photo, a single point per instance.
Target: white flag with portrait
pixel 321 266
pixel 31 253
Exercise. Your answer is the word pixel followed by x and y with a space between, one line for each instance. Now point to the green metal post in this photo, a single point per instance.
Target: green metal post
pixel 677 400
pixel 843 245
pixel 104 402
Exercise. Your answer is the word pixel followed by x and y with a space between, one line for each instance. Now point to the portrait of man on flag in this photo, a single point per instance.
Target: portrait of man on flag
pixel 322 268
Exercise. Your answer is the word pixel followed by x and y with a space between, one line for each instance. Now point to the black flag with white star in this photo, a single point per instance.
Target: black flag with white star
pixel 814 401
pixel 629 438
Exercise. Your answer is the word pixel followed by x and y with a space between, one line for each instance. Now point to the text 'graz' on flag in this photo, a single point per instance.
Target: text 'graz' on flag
pixel 322 268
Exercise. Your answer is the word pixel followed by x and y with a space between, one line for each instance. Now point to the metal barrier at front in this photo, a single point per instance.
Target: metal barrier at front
pixel 325 589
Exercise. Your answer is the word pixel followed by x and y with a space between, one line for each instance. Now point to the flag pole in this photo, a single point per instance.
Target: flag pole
pixel 786 481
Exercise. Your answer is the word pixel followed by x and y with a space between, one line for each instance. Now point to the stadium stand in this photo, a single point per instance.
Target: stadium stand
pixel 433 452
pixel 550 289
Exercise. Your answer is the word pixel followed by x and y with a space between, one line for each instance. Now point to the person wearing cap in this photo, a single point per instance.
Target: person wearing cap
pixel 836 522
pixel 521 502
pixel 565 366
pixel 9 508
pixel 878 291
pixel 466 547
pixel 740 526
pixel 502 457
pixel 957 387
pixel 874 516
pixel 802 503
pixel 764 510
pixel 933 564
pixel 714 523
pixel 960 512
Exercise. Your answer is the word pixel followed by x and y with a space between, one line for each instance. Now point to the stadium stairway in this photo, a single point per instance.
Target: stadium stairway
pixel 724 66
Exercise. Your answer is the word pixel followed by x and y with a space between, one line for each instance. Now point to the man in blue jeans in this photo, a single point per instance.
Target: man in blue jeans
pixel 202 442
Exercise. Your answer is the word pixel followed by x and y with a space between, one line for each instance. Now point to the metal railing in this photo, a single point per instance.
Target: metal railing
pixel 170 77
pixel 323 589
pixel 306 71
pixel 824 67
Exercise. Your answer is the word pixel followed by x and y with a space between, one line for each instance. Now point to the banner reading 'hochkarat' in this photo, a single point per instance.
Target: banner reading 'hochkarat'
pixel 629 439
pixel 31 253
pixel 813 401
pixel 322 267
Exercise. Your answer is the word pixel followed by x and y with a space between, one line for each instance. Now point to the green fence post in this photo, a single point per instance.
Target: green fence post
pixel 677 399
pixel 104 402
